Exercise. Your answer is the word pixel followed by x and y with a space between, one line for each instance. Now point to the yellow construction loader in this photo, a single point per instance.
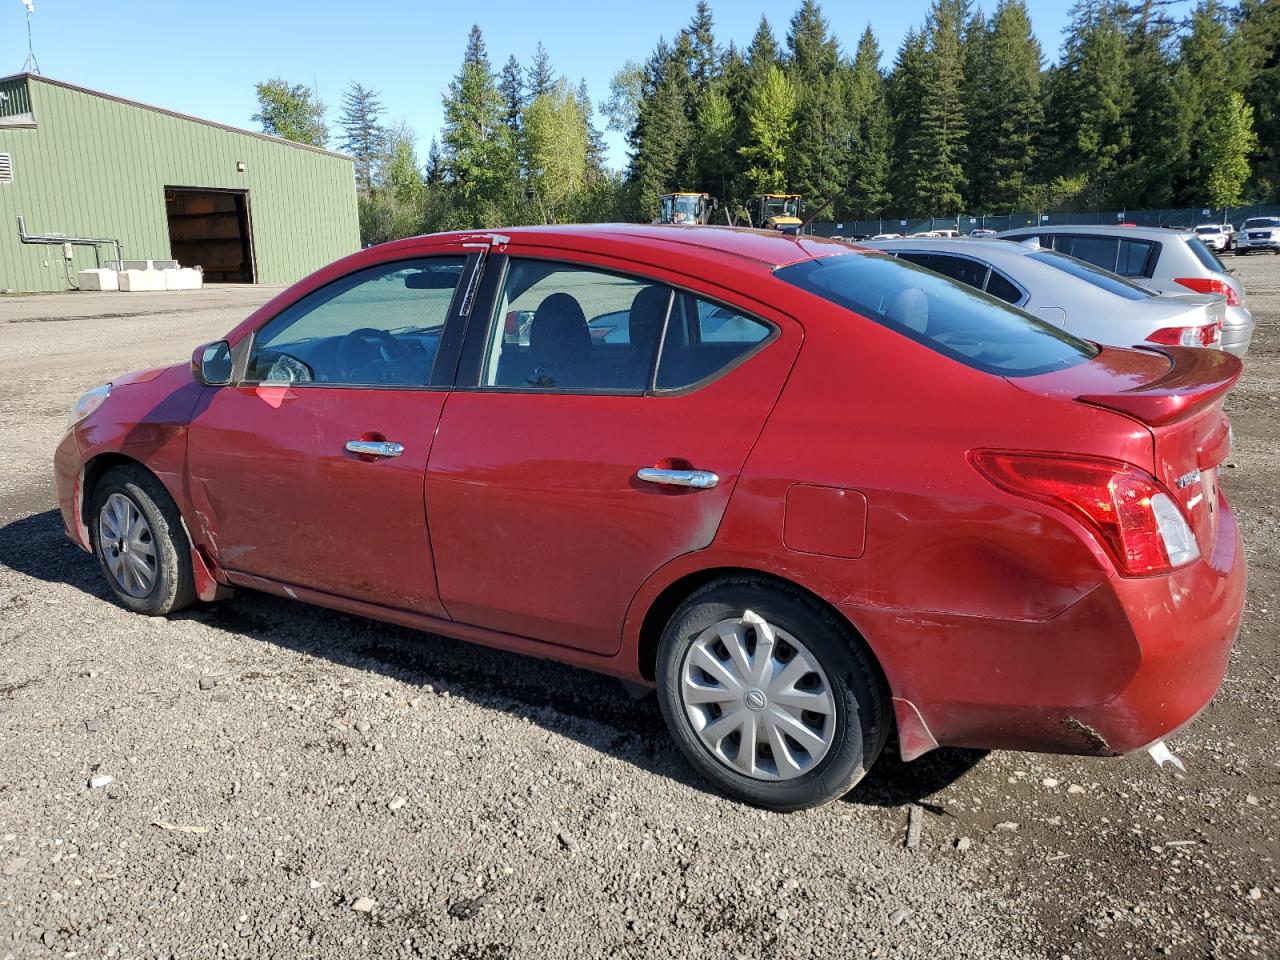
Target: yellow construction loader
pixel 777 211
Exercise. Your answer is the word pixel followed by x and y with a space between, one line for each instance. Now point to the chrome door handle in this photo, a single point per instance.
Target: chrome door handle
pixel 698 479
pixel 375 448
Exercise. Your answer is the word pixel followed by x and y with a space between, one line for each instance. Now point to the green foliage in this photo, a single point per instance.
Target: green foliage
pixel 771 111
pixel 292 111
pixel 867 192
pixel 1227 150
pixel 555 151
pixel 362 134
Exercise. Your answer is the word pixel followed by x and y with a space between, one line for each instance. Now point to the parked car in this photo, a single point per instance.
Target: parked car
pixel 1258 233
pixel 814 496
pixel 886 236
pixel 982 232
pixel 1166 261
pixel 1215 236
pixel 1083 299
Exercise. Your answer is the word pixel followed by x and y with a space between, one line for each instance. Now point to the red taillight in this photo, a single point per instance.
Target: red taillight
pixel 1210 285
pixel 1113 499
pixel 1204 336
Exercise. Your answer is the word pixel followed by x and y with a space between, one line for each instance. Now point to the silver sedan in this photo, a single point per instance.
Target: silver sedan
pixel 1086 300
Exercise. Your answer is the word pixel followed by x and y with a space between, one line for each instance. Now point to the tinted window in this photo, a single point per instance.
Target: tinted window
pixel 1134 255
pixel 968 272
pixel 565 327
pixel 1206 256
pixel 1095 275
pixel 971 327
pixel 704 338
pixel 376 327
pixel 1100 251
pixel 1261 223
pixel 1001 287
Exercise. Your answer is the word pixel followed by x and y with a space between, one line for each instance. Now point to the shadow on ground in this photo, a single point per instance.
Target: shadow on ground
pixel 588 707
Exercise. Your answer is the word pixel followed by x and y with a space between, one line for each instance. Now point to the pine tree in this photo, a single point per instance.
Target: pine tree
pixel 1005 124
pixel 542 79
pixel 662 136
pixel 763 51
pixel 595 138
pixel 906 94
pixel 867 191
pixel 363 138
pixel 715 140
pixel 479 154
pixel 938 144
pixel 705 59
pixel 771 109
pixel 811 51
pixel 1255 43
pixel 1208 78
pixel 511 87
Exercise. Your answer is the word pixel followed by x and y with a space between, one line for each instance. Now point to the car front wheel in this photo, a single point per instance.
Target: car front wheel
pixel 140 543
pixel 769 694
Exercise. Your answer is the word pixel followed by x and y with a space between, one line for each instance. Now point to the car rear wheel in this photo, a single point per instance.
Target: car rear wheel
pixel 140 543
pixel 769 694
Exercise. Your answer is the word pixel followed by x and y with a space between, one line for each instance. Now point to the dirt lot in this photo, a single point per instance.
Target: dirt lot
pixel 490 806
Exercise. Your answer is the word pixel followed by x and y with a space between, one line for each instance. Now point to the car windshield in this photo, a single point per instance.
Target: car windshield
pixel 1261 223
pixel 1206 256
pixel 688 205
pixel 781 206
pixel 1087 272
pixel 957 321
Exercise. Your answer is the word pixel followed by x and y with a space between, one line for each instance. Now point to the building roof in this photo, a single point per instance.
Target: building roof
pixel 171 113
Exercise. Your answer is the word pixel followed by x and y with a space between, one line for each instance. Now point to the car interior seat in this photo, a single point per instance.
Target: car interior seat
pixel 559 343
pixel 644 324
pixel 911 309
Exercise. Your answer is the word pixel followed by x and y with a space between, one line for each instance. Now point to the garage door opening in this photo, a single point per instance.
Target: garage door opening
pixel 210 229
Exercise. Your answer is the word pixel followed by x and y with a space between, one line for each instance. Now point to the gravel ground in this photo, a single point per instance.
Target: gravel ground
pixel 291 782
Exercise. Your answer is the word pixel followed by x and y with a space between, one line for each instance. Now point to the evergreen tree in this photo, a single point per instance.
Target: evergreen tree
pixel 1208 79
pixel 662 134
pixel 906 94
pixel 479 153
pixel 1255 56
pixel 362 135
pixel 867 192
pixel 938 143
pixel 542 79
pixel 292 111
pixel 1008 114
pixel 511 87
pixel 435 164
pixel 811 51
pixel 818 161
pixel 595 139
pixel 716 129
pixel 704 60
pixel 771 109
pixel 763 51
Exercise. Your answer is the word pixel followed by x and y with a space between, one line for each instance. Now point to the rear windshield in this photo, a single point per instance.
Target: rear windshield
pixel 955 320
pixel 1095 275
pixel 1206 256
pixel 1261 223
pixel 1208 230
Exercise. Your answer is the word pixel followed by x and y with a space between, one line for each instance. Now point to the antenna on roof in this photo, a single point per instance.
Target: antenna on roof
pixel 32 65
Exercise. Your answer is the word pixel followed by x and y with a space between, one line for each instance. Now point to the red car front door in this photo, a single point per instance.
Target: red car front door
pixel 309 471
pixel 544 517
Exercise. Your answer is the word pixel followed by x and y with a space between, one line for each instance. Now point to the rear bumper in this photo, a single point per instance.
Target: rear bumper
pixel 1237 330
pixel 1128 664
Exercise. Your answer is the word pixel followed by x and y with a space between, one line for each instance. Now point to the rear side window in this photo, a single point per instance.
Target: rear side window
pixel 1206 256
pixel 1100 251
pixel 704 338
pixel 1135 256
pixel 968 272
pixel 1095 275
pixel 970 327
pixel 1001 287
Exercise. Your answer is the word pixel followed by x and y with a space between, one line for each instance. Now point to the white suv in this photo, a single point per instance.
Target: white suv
pixel 1258 233
pixel 1214 236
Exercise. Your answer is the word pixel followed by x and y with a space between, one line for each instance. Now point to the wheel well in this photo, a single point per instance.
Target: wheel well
pixel 93 472
pixel 665 604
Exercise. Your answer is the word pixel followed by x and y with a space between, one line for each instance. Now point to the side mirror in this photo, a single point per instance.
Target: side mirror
pixel 211 364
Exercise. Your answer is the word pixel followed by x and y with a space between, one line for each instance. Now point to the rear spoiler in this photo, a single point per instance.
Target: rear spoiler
pixel 1196 378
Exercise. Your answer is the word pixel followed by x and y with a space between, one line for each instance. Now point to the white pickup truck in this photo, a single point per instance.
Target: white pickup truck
pixel 1258 233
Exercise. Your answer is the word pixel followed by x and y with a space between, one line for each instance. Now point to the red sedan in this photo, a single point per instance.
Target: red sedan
pixel 811 494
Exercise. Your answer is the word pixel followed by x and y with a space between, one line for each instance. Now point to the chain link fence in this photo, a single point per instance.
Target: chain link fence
pixel 1169 217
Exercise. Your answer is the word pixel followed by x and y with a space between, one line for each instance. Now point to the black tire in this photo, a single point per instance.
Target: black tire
pixel 174 585
pixel 860 697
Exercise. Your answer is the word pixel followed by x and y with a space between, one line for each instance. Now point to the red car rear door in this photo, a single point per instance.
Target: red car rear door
pixel 308 470
pixel 569 466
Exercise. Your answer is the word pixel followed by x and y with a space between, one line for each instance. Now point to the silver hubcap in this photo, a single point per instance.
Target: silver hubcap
pixel 128 547
pixel 758 699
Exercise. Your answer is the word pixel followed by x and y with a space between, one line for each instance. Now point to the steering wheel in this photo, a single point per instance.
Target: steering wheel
pixel 364 346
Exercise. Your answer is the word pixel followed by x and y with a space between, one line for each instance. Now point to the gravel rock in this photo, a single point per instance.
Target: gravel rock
pixel 363 904
pixel 899 916
pixel 101 780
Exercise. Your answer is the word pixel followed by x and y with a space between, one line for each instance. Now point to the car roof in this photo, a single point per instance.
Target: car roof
pixel 988 248
pixel 769 248
pixel 1103 230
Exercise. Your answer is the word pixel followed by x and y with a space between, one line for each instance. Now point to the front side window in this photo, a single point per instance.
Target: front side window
pixel 959 322
pixel 377 327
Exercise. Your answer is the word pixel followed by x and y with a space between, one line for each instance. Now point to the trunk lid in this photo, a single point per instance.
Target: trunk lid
pixel 1176 393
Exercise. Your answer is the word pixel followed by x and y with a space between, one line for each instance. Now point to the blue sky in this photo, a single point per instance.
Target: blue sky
pixel 203 58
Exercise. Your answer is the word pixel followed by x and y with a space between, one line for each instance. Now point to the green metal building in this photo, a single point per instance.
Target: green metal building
pixel 149 184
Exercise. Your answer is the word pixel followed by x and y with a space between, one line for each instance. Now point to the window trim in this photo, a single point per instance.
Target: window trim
pixel 471 366
pixel 244 350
